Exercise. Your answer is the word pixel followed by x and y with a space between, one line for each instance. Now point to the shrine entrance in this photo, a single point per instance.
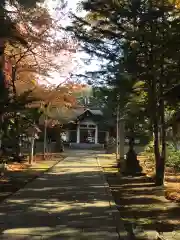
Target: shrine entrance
pixel 88 134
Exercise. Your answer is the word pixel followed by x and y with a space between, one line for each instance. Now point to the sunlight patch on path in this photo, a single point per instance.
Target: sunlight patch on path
pixel 68 202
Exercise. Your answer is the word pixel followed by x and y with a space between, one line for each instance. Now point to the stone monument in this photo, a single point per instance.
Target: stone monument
pixel 132 166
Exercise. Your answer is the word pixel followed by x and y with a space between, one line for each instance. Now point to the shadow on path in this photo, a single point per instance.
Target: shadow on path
pixel 69 202
pixel 142 205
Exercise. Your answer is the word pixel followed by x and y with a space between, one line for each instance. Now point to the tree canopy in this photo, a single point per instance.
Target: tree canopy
pixel 138 45
pixel 34 45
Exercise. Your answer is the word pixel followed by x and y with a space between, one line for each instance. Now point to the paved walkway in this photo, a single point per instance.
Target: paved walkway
pixel 68 202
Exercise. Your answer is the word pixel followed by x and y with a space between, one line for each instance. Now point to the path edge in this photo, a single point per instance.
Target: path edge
pixel 31 180
pixel 122 232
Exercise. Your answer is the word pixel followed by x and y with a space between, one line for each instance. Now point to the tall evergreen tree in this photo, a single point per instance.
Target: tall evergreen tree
pixel 137 42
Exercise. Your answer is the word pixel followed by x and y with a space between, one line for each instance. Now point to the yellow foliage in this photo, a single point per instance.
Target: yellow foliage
pixel 176 3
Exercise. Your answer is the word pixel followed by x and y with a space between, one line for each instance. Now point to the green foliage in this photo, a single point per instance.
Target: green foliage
pixel 173 155
pixel 137 43
pixel 149 150
pixel 120 33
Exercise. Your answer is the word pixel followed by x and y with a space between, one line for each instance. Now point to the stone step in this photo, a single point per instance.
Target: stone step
pixel 86 146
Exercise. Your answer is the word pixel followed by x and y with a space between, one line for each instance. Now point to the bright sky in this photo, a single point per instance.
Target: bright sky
pixel 78 66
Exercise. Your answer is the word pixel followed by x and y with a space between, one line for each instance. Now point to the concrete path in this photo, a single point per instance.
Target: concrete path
pixel 68 202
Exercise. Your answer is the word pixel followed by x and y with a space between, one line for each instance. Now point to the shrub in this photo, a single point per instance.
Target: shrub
pixel 173 155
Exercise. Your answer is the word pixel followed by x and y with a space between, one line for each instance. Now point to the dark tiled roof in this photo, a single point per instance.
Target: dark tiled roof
pixel 96 112
pixel 72 114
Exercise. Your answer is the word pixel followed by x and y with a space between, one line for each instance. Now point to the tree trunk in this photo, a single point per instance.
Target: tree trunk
pixel 17 144
pixel 117 134
pixel 59 142
pixel 160 167
pixel 158 178
pixel 16 116
pixel 2 4
pixel 154 108
pixel 2 46
pixel 2 24
pixel 155 121
pixel 31 157
pixel 45 138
